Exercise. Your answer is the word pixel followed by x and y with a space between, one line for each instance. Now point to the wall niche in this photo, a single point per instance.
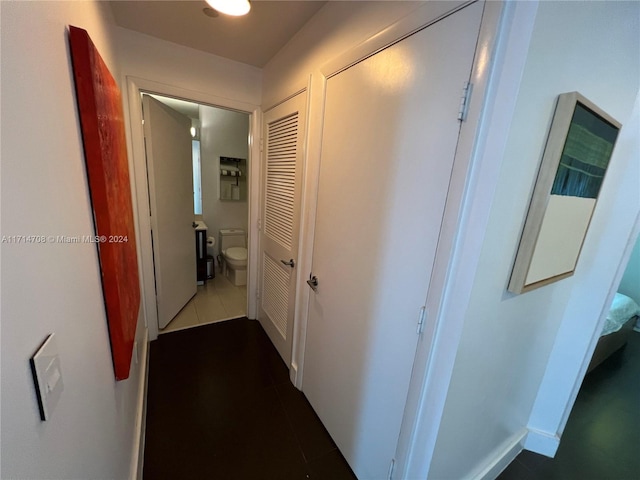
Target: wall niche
pixel 233 179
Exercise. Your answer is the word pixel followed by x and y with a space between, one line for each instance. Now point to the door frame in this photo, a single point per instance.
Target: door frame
pixel 135 87
pixel 295 327
pixel 497 68
pixel 501 53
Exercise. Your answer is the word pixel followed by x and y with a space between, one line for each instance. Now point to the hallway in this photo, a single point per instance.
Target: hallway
pixel 220 405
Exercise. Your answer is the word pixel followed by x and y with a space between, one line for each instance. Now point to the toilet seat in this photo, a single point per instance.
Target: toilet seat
pixel 238 254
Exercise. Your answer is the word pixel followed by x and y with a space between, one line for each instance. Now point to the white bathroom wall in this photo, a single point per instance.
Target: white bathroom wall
pixel 223 133
pixel 511 342
pixel 55 288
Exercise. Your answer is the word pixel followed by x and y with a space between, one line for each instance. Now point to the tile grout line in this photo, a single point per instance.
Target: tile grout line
pixel 200 317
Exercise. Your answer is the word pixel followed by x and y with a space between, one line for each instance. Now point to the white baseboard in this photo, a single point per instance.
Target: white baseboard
pixel 544 443
pixel 502 456
pixel 137 456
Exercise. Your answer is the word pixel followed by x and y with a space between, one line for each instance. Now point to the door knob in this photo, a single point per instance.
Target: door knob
pixel 291 263
pixel 313 283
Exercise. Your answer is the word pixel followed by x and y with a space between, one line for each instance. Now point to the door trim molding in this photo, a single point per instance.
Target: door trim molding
pixel 284 100
pixel 419 19
pixel 501 52
pixel 139 429
pixel 136 86
pixel 309 199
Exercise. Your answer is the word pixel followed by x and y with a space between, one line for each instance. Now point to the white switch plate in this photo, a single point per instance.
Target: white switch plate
pixel 47 376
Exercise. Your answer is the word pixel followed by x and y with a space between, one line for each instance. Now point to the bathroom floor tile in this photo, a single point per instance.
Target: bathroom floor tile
pixel 187 317
pixel 216 300
pixel 234 302
pixel 209 308
pixel 208 288
pixel 221 282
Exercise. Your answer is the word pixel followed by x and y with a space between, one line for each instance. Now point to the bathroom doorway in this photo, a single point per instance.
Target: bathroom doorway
pixel 219 197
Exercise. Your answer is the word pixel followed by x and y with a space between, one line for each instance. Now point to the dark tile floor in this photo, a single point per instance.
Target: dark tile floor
pixel 602 438
pixel 221 406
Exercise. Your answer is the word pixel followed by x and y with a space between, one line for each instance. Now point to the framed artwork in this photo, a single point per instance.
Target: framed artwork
pixel 103 135
pixel 574 164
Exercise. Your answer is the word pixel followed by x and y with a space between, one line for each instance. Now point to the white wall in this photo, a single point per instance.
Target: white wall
pixel 55 287
pixel 508 339
pixel 336 27
pixel 630 284
pixel 223 133
pixel 178 66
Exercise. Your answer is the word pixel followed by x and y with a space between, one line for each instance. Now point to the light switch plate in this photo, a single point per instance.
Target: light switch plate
pixel 47 375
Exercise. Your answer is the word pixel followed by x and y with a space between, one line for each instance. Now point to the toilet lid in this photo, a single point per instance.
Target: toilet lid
pixel 236 253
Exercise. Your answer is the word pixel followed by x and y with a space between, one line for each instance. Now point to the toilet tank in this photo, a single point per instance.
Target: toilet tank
pixel 232 237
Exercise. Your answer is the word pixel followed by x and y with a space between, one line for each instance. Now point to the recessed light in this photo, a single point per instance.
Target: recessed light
pixel 210 12
pixel 235 8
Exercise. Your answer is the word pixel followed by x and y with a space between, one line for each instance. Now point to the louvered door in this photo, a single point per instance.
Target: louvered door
pixel 282 156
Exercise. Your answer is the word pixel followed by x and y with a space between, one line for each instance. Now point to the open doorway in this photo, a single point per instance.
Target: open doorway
pixel 250 115
pixel 216 164
pixel 600 436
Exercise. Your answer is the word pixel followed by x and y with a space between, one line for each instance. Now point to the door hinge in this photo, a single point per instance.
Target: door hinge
pixel 259 224
pixel 421 318
pixel 465 98
pixel 261 144
pixel 391 468
pixel 257 294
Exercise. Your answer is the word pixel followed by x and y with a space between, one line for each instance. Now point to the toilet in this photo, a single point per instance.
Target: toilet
pixel 233 250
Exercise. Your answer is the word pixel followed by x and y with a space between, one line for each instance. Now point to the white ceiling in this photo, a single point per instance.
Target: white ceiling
pixel 188 109
pixel 253 39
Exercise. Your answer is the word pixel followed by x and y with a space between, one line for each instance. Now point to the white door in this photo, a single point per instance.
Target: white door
pixel 282 156
pixel 169 163
pixel 389 139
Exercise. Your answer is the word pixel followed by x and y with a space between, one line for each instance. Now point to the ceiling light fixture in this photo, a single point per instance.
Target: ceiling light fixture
pixel 210 12
pixel 235 8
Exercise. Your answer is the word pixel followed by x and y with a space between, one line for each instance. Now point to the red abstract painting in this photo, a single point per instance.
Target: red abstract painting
pixel 105 149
